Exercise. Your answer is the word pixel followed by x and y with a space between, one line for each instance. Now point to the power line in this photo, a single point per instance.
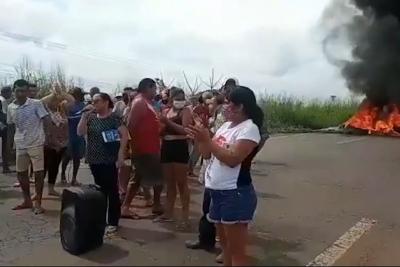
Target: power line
pixel 64 48
pixel 7 36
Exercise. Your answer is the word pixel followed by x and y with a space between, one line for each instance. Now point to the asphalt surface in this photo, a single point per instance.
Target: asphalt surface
pixel 312 188
pixel 323 185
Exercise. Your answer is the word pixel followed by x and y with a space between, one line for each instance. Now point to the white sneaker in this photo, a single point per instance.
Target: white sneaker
pixel 110 230
pixel 220 258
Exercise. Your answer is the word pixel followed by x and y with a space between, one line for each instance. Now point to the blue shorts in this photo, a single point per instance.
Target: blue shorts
pixel 232 206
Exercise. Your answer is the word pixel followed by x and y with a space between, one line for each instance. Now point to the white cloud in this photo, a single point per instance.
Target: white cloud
pixel 266 44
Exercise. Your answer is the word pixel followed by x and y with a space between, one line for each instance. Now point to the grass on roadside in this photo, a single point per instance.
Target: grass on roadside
pixel 284 113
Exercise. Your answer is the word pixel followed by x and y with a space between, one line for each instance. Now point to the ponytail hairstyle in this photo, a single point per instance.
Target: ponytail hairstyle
pixel 242 95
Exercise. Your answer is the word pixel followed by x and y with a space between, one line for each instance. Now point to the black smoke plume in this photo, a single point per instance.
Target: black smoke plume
pixel 373 32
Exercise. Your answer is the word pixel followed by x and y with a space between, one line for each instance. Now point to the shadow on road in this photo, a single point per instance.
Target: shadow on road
pixel 106 254
pixel 260 172
pixel 269 163
pixel 267 195
pixel 50 198
pixel 143 236
pixel 51 213
pixel 274 252
pixel 191 229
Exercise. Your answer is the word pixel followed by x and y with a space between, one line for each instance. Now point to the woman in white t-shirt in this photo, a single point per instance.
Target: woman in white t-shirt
pixel 231 150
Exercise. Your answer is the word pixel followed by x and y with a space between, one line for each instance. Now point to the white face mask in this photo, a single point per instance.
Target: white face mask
pixel 179 104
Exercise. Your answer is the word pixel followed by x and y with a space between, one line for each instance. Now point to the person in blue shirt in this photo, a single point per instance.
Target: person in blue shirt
pixel 76 144
pixel 157 103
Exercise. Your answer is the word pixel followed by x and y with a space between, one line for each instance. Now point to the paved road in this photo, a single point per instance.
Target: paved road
pixel 312 189
pixel 324 184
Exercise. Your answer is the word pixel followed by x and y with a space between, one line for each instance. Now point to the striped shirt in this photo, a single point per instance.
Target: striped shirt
pixel 27 118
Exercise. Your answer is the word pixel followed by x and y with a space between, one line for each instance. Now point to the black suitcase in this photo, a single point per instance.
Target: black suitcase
pixel 83 218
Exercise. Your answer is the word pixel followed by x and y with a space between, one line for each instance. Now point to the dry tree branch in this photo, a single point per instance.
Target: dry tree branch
pixel 187 82
pixel 212 83
pixel 161 82
pixel 193 89
pixel 171 83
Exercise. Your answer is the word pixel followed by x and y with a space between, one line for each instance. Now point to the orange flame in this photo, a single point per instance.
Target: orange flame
pixel 376 120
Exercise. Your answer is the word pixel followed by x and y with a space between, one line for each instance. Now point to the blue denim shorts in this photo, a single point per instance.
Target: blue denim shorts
pixel 232 206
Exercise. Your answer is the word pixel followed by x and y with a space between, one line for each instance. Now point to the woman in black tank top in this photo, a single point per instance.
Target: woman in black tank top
pixel 175 155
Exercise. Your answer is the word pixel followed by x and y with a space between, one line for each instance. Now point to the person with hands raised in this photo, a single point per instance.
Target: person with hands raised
pixel 228 178
pixel 76 144
pixel 57 104
pixel 175 155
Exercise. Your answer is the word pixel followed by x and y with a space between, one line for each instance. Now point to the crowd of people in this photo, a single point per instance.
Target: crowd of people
pixel 145 138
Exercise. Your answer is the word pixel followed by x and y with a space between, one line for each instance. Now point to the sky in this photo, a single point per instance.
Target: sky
pixel 271 46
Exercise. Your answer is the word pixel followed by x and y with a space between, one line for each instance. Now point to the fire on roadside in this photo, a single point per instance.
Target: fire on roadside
pixel 376 120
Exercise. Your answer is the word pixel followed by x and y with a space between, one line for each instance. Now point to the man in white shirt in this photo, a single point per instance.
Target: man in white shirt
pixel 121 104
pixel 28 114
pixel 6 93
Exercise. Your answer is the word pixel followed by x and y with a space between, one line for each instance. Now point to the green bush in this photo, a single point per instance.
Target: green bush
pixel 290 113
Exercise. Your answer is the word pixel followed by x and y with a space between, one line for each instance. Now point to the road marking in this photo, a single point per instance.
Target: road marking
pixel 286 136
pixel 344 243
pixel 350 141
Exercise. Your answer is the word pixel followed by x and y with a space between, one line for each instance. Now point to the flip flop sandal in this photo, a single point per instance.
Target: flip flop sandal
pixel 38 211
pixel 220 258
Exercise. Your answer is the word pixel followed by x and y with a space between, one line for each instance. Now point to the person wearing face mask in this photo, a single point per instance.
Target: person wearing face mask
pixel 175 155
